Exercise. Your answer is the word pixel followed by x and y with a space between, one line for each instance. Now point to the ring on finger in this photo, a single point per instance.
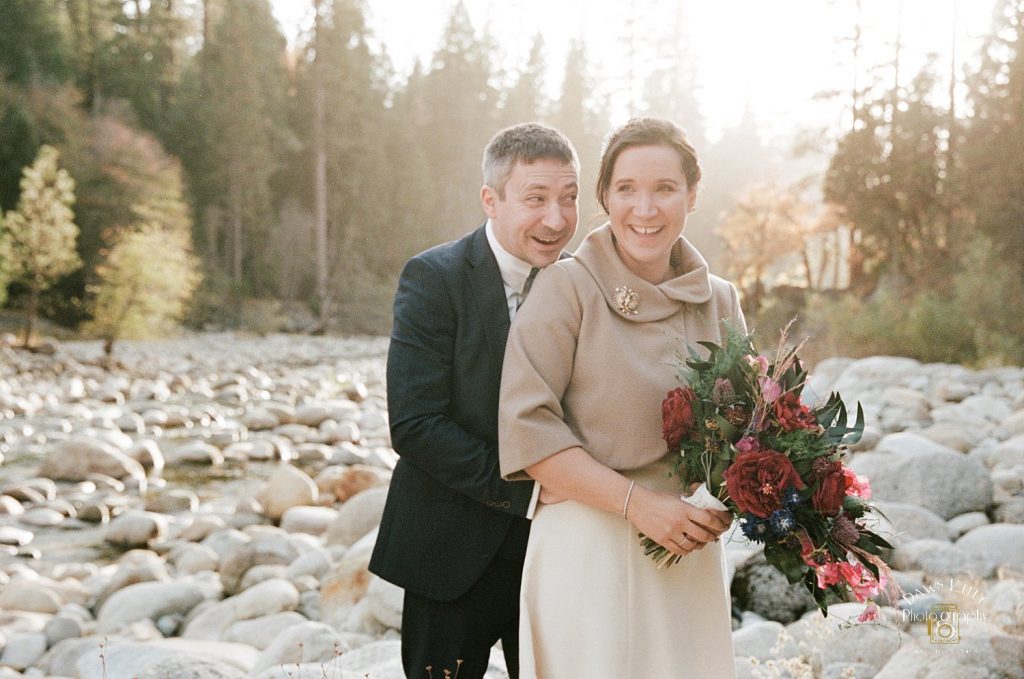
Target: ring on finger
pixel 685 542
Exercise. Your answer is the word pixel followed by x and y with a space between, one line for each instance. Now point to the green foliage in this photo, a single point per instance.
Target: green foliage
pixel 968 324
pixel 40 242
pixel 33 46
pixel 144 285
pixel 5 273
pixel 989 293
pixel 234 136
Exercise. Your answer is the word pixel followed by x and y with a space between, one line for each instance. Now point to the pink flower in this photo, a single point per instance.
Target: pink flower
pixel 770 389
pixel 828 574
pixel 758 363
pixel 857 486
pixel 858 578
pixel 870 612
pixel 747 444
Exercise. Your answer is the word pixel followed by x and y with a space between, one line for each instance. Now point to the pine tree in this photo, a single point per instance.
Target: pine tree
pixel 670 88
pixel 139 56
pixel 40 235
pixel 584 120
pixel 526 100
pixel 459 116
pixel 144 285
pixel 238 122
pixel 993 149
pixel 32 46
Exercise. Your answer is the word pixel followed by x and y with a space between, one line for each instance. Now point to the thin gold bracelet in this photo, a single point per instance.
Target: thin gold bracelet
pixel 625 505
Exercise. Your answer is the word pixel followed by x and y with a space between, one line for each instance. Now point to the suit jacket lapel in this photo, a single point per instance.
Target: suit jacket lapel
pixel 487 292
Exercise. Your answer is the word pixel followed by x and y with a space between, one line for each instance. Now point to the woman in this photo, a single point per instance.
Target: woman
pixel 589 360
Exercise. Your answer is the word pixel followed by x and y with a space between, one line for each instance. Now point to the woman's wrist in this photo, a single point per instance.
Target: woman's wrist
pixel 629 494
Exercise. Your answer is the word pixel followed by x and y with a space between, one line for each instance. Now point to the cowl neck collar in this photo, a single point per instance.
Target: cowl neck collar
pixel 630 296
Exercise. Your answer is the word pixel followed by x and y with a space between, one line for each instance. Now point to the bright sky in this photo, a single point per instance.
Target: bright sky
pixel 775 55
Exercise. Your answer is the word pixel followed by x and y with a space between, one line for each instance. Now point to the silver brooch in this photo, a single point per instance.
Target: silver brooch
pixel 626 300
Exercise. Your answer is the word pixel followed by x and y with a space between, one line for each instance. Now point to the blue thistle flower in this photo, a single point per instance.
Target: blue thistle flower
pixel 782 522
pixel 754 528
pixel 791 497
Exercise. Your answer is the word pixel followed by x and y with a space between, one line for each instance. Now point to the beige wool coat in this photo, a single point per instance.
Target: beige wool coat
pixel 585 366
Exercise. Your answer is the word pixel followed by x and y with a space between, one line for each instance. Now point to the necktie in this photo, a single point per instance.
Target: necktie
pixel 526 286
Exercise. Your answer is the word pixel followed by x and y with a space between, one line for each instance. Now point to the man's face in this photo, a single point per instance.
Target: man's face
pixel 538 216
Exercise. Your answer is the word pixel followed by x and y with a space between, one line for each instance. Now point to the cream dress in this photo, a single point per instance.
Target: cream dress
pixel 582 368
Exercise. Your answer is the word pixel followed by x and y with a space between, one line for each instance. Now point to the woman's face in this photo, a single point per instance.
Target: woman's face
pixel 648 201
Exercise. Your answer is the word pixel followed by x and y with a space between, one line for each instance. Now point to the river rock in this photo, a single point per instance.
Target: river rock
pixel 759 640
pixel 136 529
pixel 186 667
pixel 17 537
pixel 260 632
pixel 126 658
pixel 972 658
pixel 266 598
pixel 147 453
pixel 910 522
pixel 288 487
pixel 42 517
pixel 257 418
pixel 265 548
pixel 1002 543
pixel 10 506
pixel 189 557
pixel 174 500
pixel 353 480
pixel 939 557
pixel 357 517
pixel 201 527
pixel 941 480
pixel 21 594
pixel 305 642
pixel 311 520
pixel 959 525
pixel 1014 424
pixel 386 602
pixel 147 600
pixel 346 583
pixel 763 590
pixel 76 458
pixel 198 452
pixel 1006 455
pixel 23 650
pixel 62 627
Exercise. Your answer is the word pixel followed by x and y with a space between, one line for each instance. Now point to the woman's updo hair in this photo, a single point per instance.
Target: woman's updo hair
pixel 646 132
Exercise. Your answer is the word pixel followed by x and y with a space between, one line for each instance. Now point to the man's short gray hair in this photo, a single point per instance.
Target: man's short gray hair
pixel 524 143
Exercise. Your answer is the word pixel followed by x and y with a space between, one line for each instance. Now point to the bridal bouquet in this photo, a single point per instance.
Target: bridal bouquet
pixel 756 450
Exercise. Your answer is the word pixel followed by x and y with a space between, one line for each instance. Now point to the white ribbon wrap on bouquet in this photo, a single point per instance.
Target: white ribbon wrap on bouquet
pixel 702 498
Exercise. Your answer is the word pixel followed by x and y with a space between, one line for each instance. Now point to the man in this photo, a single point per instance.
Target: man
pixel 453 532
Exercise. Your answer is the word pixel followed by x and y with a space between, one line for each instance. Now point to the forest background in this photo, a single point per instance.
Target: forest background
pixel 169 162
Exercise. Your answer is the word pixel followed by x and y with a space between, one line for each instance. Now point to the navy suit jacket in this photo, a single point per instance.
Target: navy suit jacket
pixel 448 511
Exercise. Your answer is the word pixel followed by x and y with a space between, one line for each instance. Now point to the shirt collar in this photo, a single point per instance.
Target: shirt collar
pixel 514 271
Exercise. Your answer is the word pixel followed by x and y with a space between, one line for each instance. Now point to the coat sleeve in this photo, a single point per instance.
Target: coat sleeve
pixel 419 383
pixel 538 365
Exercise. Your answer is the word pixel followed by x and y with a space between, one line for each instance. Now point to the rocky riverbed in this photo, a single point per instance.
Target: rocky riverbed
pixel 205 509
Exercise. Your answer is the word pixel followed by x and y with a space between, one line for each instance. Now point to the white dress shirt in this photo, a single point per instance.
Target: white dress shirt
pixel 514 273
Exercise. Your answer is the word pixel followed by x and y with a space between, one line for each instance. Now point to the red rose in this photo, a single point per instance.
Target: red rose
pixel 828 497
pixel 757 479
pixel 792 414
pixel 677 418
